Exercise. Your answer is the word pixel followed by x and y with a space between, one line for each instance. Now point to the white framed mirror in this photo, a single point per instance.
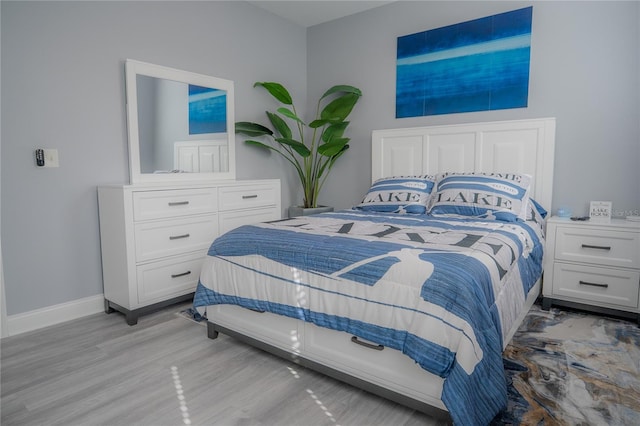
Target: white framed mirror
pixel 180 125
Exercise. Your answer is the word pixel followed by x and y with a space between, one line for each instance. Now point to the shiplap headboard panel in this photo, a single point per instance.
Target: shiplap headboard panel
pixel 520 146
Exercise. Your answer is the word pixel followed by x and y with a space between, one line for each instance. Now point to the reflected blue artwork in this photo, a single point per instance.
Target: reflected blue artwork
pixel 207 110
pixel 477 65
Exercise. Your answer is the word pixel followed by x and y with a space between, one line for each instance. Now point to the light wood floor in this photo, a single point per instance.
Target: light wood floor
pixel 165 371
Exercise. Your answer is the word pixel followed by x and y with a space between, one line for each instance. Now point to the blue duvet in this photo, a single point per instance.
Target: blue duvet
pixel 441 291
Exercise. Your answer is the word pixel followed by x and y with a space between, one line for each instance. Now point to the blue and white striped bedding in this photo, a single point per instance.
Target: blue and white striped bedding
pixel 442 291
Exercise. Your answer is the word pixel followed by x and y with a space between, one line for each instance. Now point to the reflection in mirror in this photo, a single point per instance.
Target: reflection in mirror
pixel 180 125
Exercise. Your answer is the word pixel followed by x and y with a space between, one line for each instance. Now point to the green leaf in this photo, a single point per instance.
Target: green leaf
pixel 329 163
pixel 317 123
pixel 335 157
pixel 276 90
pixel 259 144
pixel 342 88
pixel 298 146
pixel 339 108
pixel 335 130
pixel 252 129
pixel 333 147
pixel 288 113
pixel 280 125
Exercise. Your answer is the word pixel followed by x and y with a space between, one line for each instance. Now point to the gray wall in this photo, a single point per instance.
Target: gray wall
pixel 584 71
pixel 63 87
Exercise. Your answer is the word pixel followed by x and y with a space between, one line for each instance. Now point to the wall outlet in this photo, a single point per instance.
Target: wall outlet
pixel 51 158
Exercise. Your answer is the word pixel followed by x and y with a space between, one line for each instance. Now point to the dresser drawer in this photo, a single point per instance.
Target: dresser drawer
pixel 245 197
pixel 611 248
pixel 173 203
pixel 601 285
pixel 163 280
pixel 175 236
pixel 231 220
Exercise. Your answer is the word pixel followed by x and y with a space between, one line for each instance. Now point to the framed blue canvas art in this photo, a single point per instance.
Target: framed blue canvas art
pixel 207 110
pixel 476 65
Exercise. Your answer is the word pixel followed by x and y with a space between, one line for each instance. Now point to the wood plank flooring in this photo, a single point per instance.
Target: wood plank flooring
pixel 165 371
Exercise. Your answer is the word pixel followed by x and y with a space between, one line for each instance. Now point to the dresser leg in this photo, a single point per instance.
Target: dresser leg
pixel 131 318
pixel 546 303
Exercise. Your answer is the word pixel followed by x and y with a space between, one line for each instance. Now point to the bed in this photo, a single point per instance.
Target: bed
pixel 414 292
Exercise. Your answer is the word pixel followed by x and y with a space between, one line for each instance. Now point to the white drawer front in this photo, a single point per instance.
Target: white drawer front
pixel 231 220
pixel 274 329
pixel 173 203
pixel 614 248
pixel 336 348
pixel 171 278
pixel 245 197
pixel 176 236
pixel 599 285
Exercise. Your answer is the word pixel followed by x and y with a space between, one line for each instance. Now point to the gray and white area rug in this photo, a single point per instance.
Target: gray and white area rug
pixel 573 368
pixel 567 368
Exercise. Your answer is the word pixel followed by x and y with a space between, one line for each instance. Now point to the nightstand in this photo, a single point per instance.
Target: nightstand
pixel 593 266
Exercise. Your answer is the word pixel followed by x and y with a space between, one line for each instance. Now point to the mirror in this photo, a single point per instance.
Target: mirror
pixel 180 124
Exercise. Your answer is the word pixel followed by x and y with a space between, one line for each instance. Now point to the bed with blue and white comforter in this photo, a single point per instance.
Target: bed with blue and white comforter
pixel 442 291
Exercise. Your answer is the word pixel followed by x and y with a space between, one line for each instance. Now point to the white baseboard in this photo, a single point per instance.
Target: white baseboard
pixel 40 318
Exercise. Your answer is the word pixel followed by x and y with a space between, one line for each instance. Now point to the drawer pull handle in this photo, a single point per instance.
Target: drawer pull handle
pixel 354 339
pixel 596 247
pixel 178 203
pixel 177 237
pixel 180 275
pixel 594 284
pixel 246 197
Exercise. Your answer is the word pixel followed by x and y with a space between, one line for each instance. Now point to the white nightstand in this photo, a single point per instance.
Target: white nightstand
pixel 593 266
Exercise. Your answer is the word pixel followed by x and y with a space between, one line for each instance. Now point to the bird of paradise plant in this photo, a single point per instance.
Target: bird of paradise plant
pixel 314 147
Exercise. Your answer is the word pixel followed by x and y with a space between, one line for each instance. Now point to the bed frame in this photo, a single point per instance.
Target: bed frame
pixel 523 146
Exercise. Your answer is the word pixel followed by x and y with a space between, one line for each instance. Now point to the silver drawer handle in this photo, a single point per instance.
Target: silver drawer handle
pixel 593 284
pixel 180 275
pixel 178 203
pixel 354 339
pixel 246 197
pixel 596 247
pixel 177 237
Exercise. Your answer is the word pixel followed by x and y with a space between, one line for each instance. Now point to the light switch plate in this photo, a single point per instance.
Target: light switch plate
pixel 51 158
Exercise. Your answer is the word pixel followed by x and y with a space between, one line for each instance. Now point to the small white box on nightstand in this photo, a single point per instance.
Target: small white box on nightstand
pixel 600 211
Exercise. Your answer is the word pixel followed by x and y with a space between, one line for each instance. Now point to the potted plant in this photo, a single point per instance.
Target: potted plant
pixel 312 148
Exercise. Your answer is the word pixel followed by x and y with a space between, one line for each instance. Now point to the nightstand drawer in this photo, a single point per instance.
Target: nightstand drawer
pixel 173 203
pixel 247 197
pixel 600 285
pixel 612 248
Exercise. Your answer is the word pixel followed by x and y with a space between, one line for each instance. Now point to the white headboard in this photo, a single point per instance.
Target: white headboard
pixel 520 146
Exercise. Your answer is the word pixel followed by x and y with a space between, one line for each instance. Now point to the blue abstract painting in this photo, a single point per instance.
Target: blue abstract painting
pixel 207 110
pixel 477 65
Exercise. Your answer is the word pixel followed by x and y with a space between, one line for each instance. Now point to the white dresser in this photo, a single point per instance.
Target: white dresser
pixel 154 237
pixel 593 266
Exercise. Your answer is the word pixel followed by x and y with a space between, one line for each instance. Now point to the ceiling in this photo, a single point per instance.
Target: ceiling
pixel 313 12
